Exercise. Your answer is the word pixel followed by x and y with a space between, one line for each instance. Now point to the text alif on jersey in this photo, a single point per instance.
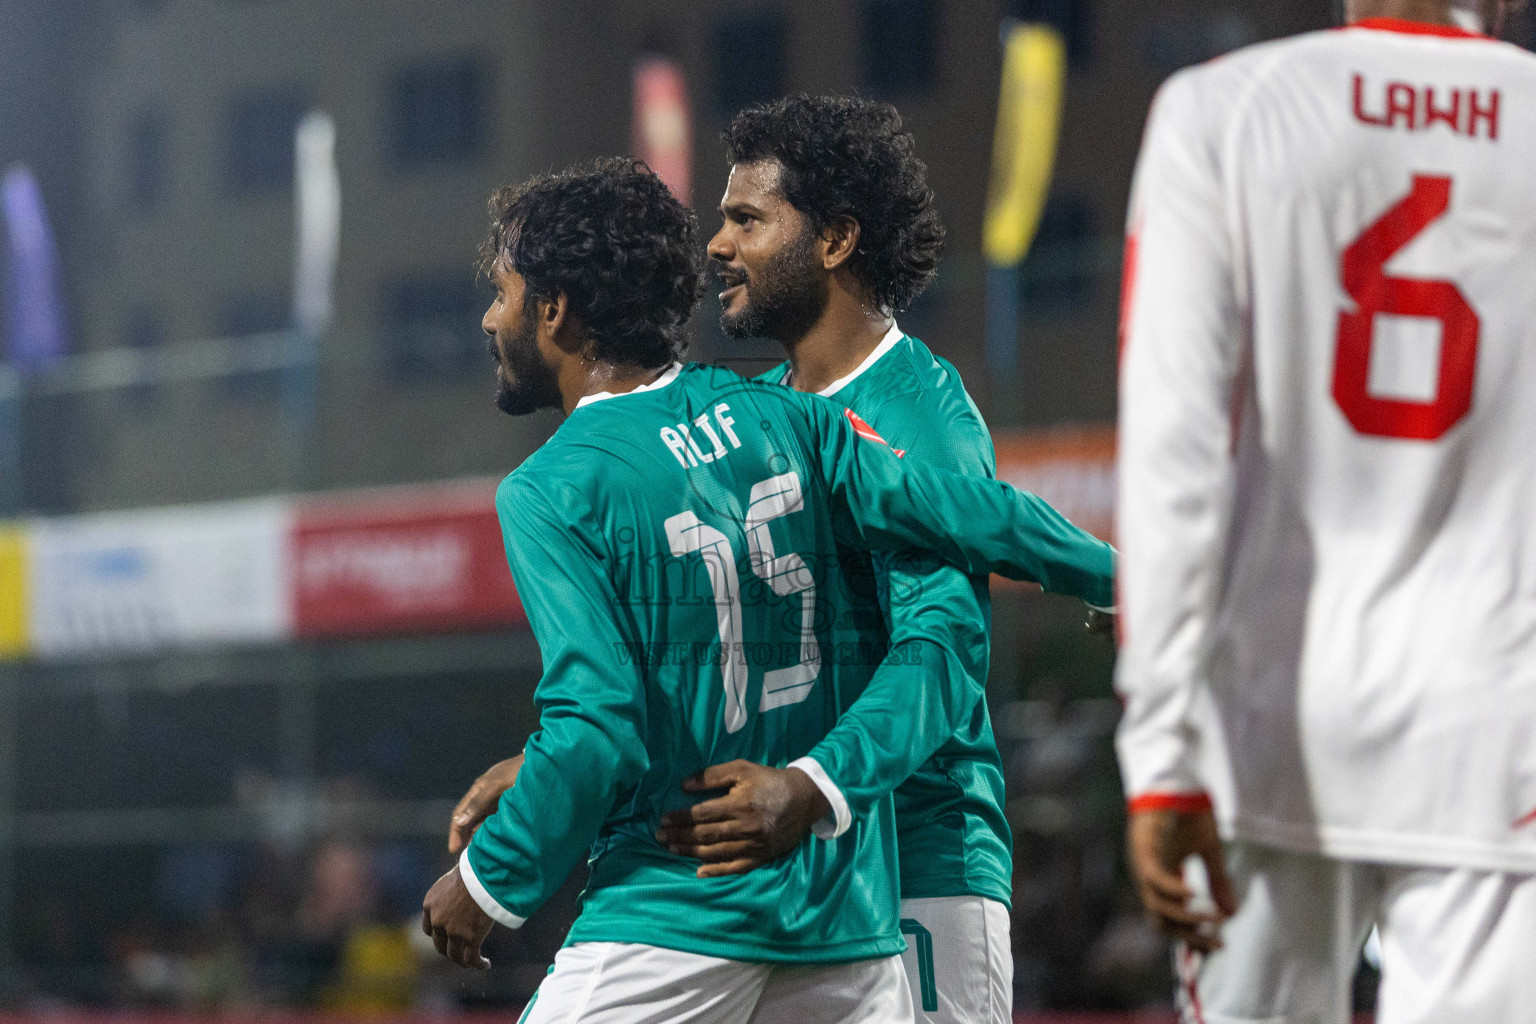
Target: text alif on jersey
pixel 685 447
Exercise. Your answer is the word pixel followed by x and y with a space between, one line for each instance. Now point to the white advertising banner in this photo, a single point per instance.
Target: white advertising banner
pixel 144 581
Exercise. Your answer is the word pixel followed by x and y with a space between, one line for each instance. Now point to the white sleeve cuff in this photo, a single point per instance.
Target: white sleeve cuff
pixel 497 912
pixel 838 822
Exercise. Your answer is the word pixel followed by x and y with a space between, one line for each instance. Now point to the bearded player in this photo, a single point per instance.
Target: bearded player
pixel 675 545
pixel 830 230
pixel 1326 514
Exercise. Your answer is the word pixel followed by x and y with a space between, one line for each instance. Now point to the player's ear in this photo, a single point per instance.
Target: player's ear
pixel 840 240
pixel 554 313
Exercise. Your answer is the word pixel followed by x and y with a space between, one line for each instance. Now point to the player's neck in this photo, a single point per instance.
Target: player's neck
pixel 582 379
pixel 836 344
pixel 1427 12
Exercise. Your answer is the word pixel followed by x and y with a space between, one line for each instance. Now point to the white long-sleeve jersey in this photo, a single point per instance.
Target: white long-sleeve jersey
pixel 1327 513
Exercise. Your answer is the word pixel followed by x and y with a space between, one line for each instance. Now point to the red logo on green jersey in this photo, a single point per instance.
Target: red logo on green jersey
pixel 868 432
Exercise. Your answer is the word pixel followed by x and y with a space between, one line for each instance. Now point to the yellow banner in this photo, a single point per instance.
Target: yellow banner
pixel 13 592
pixel 1024 148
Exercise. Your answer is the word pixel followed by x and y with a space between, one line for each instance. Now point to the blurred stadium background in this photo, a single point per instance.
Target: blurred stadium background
pixel 256 630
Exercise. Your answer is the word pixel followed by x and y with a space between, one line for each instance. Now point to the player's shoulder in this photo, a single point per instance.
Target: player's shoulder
pixel 1422 39
pixel 920 383
pixel 529 485
pixel 567 465
pixel 927 372
pixel 925 411
pixel 1208 94
pixel 1203 96
pixel 705 382
pixel 1211 93
pixel 763 397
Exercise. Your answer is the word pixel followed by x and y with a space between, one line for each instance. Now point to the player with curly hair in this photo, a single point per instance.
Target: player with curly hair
pixel 675 545
pixel 849 168
pixel 636 307
pixel 829 231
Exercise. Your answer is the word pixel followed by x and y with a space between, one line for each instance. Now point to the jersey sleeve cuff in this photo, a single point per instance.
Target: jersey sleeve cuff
pixel 1183 803
pixel 837 822
pixel 483 897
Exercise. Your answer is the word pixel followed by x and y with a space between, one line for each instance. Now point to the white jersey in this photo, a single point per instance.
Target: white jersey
pixel 1328 448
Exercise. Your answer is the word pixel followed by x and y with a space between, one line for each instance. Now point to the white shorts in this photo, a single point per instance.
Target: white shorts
pixel 959 959
pixel 1456 945
pixel 626 983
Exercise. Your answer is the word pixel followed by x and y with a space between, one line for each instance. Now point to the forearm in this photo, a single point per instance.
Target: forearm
pixel 1059 555
pixel 911 707
pixel 545 824
pixel 1019 535
pixel 925 689
pixel 590 746
pixel 982 526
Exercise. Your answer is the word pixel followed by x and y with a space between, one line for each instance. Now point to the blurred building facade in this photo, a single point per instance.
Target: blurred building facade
pixel 188 108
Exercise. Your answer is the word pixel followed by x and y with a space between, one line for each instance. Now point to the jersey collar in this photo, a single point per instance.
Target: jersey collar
pixel 1417 28
pixel 887 343
pixel 655 385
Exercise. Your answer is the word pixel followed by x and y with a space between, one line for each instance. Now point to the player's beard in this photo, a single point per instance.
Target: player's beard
pixel 787 298
pixel 524 382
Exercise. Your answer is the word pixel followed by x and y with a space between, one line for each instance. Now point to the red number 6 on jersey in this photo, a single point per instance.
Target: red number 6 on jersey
pixel 1375 294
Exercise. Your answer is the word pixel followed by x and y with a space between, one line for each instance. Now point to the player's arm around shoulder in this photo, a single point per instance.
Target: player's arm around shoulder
pixel 1061 557
pixel 880 502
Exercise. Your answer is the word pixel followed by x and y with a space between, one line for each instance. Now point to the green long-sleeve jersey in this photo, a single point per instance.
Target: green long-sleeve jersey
pixel 952 836
pixel 676 548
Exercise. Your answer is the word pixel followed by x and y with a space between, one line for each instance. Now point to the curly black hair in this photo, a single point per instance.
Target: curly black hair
pixel 611 238
pixel 848 157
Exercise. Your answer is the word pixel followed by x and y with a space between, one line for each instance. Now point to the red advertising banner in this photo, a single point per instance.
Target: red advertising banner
pixel 1073 468
pixel 427 560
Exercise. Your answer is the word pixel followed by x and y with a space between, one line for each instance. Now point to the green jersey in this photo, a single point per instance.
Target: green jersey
pixel 676 548
pixel 953 838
